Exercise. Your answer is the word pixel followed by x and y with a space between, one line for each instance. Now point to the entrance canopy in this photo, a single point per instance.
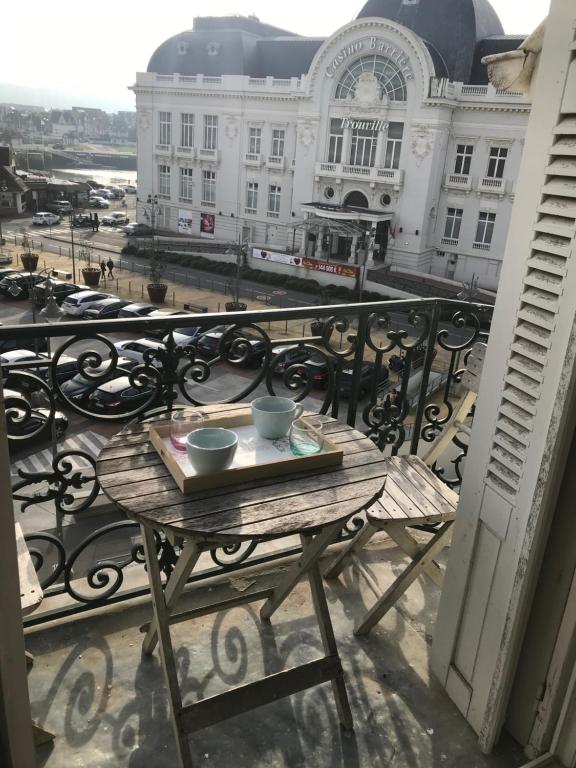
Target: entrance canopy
pixel 349 213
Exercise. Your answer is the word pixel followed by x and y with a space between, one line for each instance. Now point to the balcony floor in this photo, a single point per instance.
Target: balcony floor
pixel 109 708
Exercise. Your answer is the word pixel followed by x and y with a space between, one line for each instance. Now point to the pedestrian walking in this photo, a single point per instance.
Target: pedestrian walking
pixel 103 269
pixel 110 265
pixel 96 223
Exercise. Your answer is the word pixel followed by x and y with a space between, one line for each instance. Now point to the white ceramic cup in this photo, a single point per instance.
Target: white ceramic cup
pixel 273 416
pixel 211 449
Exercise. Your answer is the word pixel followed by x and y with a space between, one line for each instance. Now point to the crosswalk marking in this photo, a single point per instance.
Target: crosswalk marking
pixel 89 442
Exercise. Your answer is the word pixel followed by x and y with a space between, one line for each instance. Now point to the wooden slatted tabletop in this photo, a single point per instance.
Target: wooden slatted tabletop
pixel 133 475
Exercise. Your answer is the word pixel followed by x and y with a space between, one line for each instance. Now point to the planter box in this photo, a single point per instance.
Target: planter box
pixel 157 292
pixel 29 261
pixel 91 276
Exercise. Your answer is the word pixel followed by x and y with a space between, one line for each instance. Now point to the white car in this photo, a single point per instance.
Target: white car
pixel 76 303
pixel 115 219
pixel 130 189
pixel 134 349
pixel 45 219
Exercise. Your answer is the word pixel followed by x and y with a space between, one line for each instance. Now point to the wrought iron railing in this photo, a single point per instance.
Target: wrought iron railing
pixel 390 369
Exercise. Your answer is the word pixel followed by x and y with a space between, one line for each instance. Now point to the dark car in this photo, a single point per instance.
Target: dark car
pixel 119 396
pixel 38 343
pixel 209 346
pixel 23 432
pixel 14 358
pixel 60 289
pixel 79 388
pixel 81 220
pixel 18 285
pixel 367 374
pixel 105 309
pixel 5 271
pixel 137 310
pixel 283 357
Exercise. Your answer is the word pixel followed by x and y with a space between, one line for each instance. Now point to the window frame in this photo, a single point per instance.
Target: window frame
pixel 335 141
pixel 393 148
pixel 252 190
pixel 254 141
pixel 278 145
pixel 209 183
pixel 186 183
pixel 210 137
pixel 463 159
pixel 275 198
pixel 187 129
pixel 497 155
pixel 165 128
pixel 164 180
pixel 487 224
pixel 453 223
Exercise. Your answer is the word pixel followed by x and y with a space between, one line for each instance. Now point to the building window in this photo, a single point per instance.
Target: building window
pixel 186 183
pixel 252 195
pixel 496 162
pixel 363 147
pixel 390 79
pixel 164 180
pixel 274 193
pixel 209 187
pixel 210 131
pixel 165 125
pixel 453 223
pixel 393 145
pixel 485 228
pixel 187 130
pixel 335 141
pixel 278 136
pixel 463 159
pixel 255 141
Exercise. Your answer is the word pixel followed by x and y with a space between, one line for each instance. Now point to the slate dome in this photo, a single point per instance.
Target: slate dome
pixel 450 28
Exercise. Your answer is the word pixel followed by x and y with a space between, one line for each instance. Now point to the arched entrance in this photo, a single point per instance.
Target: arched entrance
pixel 356 200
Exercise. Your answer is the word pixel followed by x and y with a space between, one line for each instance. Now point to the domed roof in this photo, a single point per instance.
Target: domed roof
pixel 234 45
pixel 451 27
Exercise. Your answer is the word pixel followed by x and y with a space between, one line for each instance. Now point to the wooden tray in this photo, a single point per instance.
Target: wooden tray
pixel 275 458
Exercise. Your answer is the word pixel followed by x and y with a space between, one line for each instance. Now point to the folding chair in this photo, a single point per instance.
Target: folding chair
pixel 414 496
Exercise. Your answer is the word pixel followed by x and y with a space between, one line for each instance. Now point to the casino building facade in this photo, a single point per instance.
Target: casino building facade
pixel 380 145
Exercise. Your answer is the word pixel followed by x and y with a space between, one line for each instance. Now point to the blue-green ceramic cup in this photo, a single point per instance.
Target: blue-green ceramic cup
pixel 211 449
pixel 273 416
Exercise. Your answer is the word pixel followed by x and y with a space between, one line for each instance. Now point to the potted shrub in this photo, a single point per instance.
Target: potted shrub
pixel 156 289
pixel 236 306
pixel 29 260
pixel 317 327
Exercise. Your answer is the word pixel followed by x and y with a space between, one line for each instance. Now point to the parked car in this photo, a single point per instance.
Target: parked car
pixel 185 336
pixel 285 356
pixel 98 202
pixel 15 357
pixel 102 192
pixel 116 193
pixel 367 374
pixel 209 343
pixel 61 207
pixel 46 219
pixel 134 349
pixel 27 421
pixel 38 343
pixel 77 303
pixel 60 290
pixel 81 220
pixel 5 271
pixel 137 310
pixel 105 309
pixel 136 229
pixel 159 314
pixel 79 388
pixel 115 219
pixel 119 396
pixel 18 284
pixel 130 189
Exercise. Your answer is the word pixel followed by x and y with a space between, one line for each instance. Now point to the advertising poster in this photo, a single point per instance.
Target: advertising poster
pixel 185 222
pixel 207 224
pixel 330 268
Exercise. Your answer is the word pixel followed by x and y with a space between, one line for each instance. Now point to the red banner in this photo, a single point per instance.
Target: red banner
pixel 344 270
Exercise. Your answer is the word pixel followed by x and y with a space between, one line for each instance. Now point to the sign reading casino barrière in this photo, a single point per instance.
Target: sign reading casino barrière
pixel 372 45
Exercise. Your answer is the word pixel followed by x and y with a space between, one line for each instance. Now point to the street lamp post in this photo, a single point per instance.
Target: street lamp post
pixel 3 188
pixel 72 244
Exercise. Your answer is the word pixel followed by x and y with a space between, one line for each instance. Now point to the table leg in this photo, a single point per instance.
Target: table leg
pixel 161 618
pixel 308 558
pixel 174 588
pixel 358 542
pixel 328 639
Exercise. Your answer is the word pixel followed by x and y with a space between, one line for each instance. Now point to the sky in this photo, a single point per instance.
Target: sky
pixel 93 53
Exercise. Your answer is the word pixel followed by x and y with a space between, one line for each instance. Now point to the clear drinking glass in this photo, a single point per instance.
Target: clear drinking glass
pixel 306 437
pixel 181 424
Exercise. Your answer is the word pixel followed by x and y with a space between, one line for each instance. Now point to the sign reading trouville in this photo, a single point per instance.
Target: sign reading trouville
pixel 372 44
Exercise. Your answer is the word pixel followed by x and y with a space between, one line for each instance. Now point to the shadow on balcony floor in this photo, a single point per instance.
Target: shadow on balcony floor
pixel 109 708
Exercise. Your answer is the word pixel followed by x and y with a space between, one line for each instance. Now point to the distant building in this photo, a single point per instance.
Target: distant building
pixel 384 137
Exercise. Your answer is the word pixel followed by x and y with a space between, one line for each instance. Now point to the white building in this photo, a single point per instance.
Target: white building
pixel 385 137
